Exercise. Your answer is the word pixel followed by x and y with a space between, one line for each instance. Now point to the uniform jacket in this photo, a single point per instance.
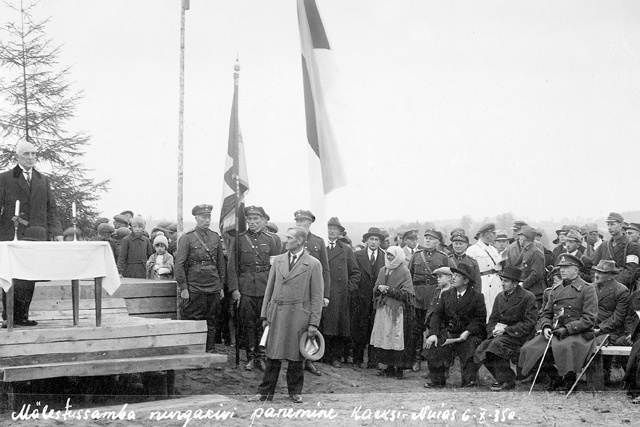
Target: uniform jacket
pixel 407 255
pixel 37 204
pixel 580 304
pixel 533 272
pixel 626 255
pixel 255 252
pixel 514 250
pixel 134 253
pixel 317 249
pixel 613 303
pixel 292 302
pixel 194 267
pixel 455 316
pixel 424 283
pixel 345 276
pixel 466 259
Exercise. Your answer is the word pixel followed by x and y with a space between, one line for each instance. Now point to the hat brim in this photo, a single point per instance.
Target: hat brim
pixel 455 270
pixel 507 276
pixel 615 271
pixel 367 235
pixel 339 227
pixel 303 344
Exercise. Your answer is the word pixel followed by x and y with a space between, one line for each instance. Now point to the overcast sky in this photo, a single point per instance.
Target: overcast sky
pixel 454 107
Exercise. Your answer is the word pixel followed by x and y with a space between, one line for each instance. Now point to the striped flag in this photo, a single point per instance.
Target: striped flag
pixel 235 167
pixel 320 94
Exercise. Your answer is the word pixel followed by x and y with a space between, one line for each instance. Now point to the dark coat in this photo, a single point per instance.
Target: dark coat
pixel 37 204
pixel 632 321
pixel 255 253
pixel 533 272
pixel 519 313
pixel 134 253
pixel 292 302
pixel 613 303
pixel 466 259
pixel 626 255
pixel 317 249
pixel 424 282
pixel 362 298
pixel 345 275
pixel 577 302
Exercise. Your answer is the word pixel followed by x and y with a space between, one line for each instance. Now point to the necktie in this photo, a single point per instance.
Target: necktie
pixel 28 176
pixel 292 262
pixel 331 244
pixel 373 258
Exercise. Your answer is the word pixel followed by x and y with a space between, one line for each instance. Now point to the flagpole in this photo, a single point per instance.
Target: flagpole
pixel 184 6
pixel 236 78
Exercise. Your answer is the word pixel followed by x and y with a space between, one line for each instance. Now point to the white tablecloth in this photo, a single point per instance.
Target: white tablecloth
pixel 58 261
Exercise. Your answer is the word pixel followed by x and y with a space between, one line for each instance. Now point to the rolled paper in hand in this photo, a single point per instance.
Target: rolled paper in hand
pixel 17 208
pixel 73 209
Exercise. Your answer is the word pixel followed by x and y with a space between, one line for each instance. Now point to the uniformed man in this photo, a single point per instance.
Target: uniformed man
pixel 268 228
pixel 421 266
pixel 318 249
pixel 460 243
pixel 620 249
pixel 487 258
pixel 592 239
pixel 200 271
pixel 256 248
pixel 632 230
pixel 570 316
pixel 532 264
pixel 501 243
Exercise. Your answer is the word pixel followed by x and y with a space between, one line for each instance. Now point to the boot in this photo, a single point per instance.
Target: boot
pixel 416 360
pixel 250 360
pixel 211 340
pixel 260 363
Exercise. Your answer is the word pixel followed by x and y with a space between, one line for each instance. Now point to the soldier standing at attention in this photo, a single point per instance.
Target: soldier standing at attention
pixel 422 265
pixel 256 248
pixel 200 271
pixel 318 249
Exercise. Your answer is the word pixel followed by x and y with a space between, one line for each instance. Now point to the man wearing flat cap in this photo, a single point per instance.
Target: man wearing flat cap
pixel 531 261
pixel 460 243
pixel 200 270
pixel 421 266
pixel 370 260
pixel 457 327
pixel 510 324
pixel 567 320
pixel 38 208
pixel 487 258
pixel 620 249
pixel 248 274
pixel 345 276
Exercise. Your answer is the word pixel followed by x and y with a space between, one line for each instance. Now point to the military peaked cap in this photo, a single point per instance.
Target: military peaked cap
pixel 201 210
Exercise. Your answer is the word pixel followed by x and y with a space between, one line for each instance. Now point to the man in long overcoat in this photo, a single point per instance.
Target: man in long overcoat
pixel 37 209
pixel 459 316
pixel 487 257
pixel 531 261
pixel 511 322
pixel 370 260
pixel 345 275
pixel 292 305
pixel 568 320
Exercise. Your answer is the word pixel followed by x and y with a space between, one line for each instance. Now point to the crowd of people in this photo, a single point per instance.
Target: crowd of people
pixel 502 301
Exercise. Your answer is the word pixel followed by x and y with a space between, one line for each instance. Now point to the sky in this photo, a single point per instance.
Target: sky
pixel 452 108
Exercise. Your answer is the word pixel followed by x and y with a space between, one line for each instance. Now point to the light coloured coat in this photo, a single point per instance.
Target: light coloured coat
pixel 292 302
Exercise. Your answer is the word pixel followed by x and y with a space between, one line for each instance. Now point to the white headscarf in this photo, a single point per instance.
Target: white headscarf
pixel 398 259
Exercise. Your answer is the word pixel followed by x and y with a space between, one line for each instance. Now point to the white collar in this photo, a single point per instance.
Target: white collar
pixel 297 254
pixel 375 253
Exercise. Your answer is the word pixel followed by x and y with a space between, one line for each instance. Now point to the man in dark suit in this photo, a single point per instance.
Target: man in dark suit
pixel 511 322
pixel 317 249
pixel 370 260
pixel 345 275
pixel 457 328
pixel 32 189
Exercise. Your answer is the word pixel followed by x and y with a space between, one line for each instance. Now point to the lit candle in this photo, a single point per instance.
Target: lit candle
pixel 73 209
pixel 17 207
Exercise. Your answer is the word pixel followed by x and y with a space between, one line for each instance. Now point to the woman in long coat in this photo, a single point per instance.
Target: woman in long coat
pixel 393 323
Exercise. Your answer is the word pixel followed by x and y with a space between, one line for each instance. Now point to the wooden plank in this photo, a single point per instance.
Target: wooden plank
pixel 68 314
pixel 40 359
pixel 140 288
pixel 111 367
pixel 151 305
pixel 135 327
pixel 85 304
pixel 103 345
pixel 616 350
pixel 158 315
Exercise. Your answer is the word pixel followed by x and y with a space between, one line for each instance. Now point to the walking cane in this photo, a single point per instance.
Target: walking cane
pixel 593 356
pixel 541 362
pixel 237 331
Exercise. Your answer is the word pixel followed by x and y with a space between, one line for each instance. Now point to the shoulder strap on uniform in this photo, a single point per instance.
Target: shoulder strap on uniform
pixel 426 265
pixel 204 245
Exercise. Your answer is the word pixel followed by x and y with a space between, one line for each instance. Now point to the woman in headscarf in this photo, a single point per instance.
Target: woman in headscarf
pixel 393 325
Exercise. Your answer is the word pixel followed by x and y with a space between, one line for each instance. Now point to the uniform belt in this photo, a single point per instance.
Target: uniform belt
pixel 486 273
pixel 201 263
pixel 278 302
pixel 255 268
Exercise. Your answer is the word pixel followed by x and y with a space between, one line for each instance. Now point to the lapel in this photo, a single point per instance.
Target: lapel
pixel 604 291
pixel 337 250
pixel 21 180
pixel 363 260
pixel 465 300
pixel 515 299
pixel 378 264
pixel 301 266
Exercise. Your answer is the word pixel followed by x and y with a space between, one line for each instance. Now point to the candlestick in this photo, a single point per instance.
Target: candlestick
pixel 17 208
pixel 73 209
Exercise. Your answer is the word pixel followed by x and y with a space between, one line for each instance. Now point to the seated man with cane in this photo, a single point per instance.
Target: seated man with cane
pixel 566 323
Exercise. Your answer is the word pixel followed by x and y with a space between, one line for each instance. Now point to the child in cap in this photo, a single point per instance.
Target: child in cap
pixel 443 277
pixel 105 234
pixel 160 264
pixel 135 250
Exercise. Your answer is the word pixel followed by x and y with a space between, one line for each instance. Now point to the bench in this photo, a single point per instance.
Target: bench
pixel 595 372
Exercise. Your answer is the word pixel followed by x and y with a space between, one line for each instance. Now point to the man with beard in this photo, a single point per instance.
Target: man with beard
pixel 250 279
pixel 422 265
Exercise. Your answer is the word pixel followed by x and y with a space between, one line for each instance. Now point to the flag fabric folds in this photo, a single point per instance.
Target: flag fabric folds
pixel 318 70
pixel 235 167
